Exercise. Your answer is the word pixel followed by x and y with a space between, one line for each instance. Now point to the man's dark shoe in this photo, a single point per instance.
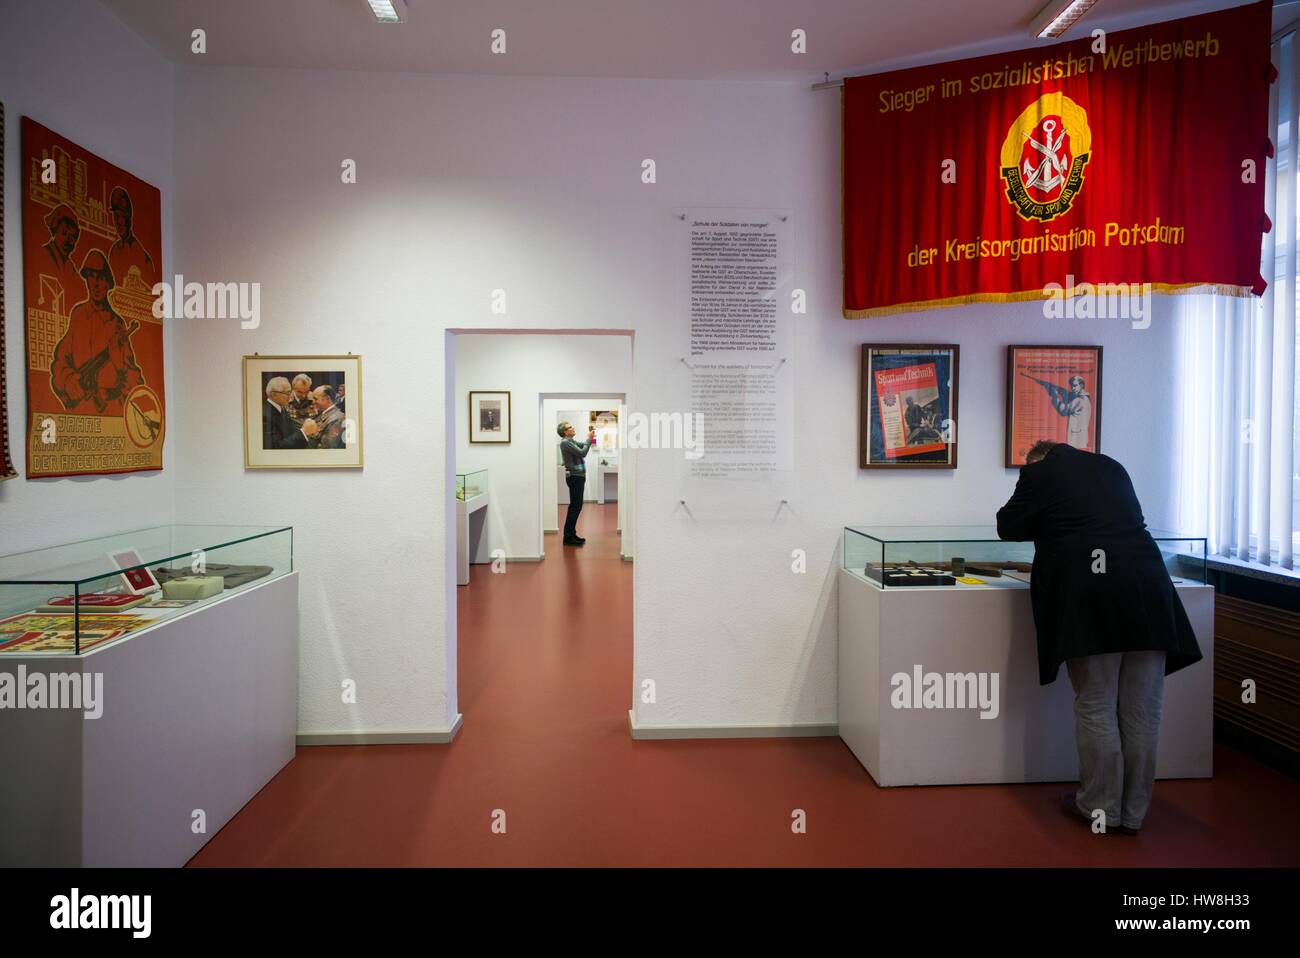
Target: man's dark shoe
pixel 574 542
pixel 1071 808
pixel 580 540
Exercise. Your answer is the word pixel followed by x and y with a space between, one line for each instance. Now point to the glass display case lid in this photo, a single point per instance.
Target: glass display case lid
pixel 988 533
pixel 926 533
pixel 92 559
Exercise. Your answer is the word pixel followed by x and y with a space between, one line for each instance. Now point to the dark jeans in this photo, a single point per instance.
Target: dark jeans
pixel 577 486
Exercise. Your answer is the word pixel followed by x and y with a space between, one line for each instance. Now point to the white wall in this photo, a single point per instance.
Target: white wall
pixel 469 184
pixel 74 68
pixel 528 366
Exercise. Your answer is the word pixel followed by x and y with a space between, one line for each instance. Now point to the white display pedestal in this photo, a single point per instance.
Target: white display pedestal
pixel 603 474
pixel 200 711
pixel 471 514
pixel 989 628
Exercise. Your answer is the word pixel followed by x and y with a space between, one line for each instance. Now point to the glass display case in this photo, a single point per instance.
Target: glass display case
pixel 974 556
pixel 471 484
pixel 72 598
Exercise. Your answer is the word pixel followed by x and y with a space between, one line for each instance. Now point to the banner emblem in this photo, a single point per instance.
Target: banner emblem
pixel 1044 155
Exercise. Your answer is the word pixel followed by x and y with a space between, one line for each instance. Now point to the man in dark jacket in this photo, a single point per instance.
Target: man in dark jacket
pixel 1105 606
pixel 278 430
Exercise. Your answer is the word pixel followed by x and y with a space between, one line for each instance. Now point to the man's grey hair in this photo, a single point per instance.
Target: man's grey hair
pixel 278 384
pixel 302 378
pixel 1039 450
pixel 562 428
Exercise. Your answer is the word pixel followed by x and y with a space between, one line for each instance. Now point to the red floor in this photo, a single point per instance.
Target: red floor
pixel 545 682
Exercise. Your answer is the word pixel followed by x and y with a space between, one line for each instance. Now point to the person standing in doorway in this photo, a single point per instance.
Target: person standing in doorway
pixel 575 475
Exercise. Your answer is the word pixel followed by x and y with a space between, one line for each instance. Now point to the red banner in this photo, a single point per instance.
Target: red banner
pixel 1133 158
pixel 92 253
pixel 6 463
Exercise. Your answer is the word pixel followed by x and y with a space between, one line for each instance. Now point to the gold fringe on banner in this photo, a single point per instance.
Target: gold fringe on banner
pixel 918 306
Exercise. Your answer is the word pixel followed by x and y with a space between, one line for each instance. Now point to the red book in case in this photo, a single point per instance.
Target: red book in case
pixel 94 602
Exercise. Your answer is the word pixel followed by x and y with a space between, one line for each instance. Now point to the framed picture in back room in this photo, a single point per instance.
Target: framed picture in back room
pixel 489 416
pixel 907 407
pixel 1053 392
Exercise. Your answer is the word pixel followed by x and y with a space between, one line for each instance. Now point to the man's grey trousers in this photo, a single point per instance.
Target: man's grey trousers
pixel 1117 704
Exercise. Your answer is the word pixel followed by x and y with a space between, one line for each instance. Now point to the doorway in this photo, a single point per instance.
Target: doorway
pixel 606 469
pixel 526 591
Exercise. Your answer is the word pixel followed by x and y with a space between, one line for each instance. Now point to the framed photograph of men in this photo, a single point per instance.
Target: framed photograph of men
pixel 302 412
pixel 1053 392
pixel 489 416
pixel 908 407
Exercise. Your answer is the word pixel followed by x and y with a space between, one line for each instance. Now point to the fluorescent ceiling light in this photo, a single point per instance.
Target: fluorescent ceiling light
pixel 1055 18
pixel 388 11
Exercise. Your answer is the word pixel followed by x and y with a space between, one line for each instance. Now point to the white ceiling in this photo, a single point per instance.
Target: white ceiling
pixel 693 39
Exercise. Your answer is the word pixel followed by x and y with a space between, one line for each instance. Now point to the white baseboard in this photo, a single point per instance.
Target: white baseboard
pixel 420 737
pixel 804 730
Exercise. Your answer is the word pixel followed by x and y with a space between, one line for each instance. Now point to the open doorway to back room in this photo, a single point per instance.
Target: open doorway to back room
pixel 594 421
pixel 530 603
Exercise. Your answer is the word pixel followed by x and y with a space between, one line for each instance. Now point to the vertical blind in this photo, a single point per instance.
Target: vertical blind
pixel 1236 430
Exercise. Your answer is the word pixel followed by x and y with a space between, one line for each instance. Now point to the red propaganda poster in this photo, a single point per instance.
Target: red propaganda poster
pixel 1053 392
pixel 1131 158
pixel 92 252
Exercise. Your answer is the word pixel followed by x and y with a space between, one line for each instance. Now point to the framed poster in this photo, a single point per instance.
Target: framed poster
pixel 489 416
pixel 908 407
pixel 136 577
pixel 92 254
pixel 605 424
pixel 1053 392
pixel 6 461
pixel 302 412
